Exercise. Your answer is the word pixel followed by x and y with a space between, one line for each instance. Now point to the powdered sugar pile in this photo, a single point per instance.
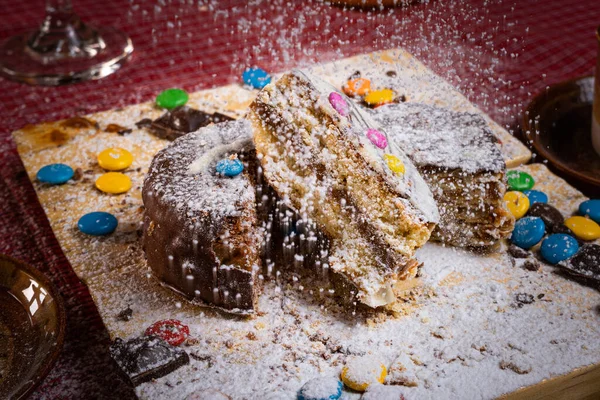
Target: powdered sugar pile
pixel 469 329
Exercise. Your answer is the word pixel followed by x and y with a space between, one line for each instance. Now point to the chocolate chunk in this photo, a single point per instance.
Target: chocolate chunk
pixel 218 117
pixel 355 75
pixel 531 264
pixel 523 298
pixel 518 252
pixel 400 99
pixel 553 219
pixel 145 358
pixel 126 314
pixel 114 128
pixel 182 120
pixel 391 74
pixel 585 263
pixel 144 123
pixel 77 174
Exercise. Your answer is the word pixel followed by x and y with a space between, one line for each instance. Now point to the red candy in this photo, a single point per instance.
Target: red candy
pixel 171 331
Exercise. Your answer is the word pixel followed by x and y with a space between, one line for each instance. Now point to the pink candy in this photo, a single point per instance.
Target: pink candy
pixel 338 103
pixel 377 138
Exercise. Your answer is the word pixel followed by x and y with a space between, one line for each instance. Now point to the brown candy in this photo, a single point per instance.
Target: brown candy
pixel 553 219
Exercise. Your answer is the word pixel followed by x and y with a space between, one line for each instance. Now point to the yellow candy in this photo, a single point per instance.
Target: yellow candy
pixel 113 182
pixel 115 159
pixel 394 163
pixel 380 97
pixel 584 228
pixel 359 373
pixel 517 203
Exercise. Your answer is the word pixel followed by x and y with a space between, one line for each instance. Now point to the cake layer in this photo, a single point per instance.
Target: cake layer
pixel 323 165
pixel 201 232
pixel 458 157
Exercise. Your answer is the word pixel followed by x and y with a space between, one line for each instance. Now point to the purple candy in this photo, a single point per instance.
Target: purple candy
pixel 338 103
pixel 377 138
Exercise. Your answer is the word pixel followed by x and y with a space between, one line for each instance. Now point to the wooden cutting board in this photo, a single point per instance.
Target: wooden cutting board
pixel 277 351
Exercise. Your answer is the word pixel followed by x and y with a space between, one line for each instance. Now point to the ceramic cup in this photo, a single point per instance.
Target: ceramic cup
pixel 596 110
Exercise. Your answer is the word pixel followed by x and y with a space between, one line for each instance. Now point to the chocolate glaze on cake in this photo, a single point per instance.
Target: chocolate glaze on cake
pixel 201 233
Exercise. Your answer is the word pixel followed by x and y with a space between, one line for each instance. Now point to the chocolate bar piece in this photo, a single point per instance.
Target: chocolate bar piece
pixel 145 358
pixel 181 120
pixel 585 263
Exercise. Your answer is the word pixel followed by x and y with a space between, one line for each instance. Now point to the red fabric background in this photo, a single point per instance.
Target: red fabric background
pixel 499 53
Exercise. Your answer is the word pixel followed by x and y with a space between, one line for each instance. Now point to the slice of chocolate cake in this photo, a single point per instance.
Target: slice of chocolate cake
pixel 201 233
pixel 457 156
pixel 331 163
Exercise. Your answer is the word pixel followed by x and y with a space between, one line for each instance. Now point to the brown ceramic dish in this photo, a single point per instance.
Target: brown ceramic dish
pixel 557 124
pixel 32 328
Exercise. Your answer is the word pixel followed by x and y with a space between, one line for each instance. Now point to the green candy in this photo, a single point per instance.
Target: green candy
pixel 518 180
pixel 171 98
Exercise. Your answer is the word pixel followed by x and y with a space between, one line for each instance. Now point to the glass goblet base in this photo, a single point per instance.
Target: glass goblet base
pixel 19 64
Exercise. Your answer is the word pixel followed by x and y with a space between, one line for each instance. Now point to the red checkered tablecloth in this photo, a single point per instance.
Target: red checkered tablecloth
pixel 499 53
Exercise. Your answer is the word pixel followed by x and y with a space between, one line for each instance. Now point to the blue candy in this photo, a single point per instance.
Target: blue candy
pixel 528 232
pixel 97 223
pixel 256 77
pixel 535 196
pixel 324 388
pixel 229 167
pixel 591 208
pixel 558 247
pixel 55 174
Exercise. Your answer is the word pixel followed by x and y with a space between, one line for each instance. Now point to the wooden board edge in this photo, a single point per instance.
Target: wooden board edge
pixel 581 384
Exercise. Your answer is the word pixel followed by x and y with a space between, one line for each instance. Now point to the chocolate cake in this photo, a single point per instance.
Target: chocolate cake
pixel 201 232
pixel 332 164
pixel 457 156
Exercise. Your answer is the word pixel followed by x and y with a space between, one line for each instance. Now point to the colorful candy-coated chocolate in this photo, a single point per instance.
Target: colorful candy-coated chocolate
pixel 528 232
pixel 113 182
pixel 360 372
pixel 55 174
pixel 519 180
pixel 323 388
pixel 172 98
pixel 338 102
pixel 517 203
pixel 591 209
pixel 380 97
pixel 558 247
pixel 229 167
pixel 377 138
pixel 584 228
pixel 97 223
pixel 394 163
pixel 115 159
pixel 256 77
pixel 535 196
pixel 357 87
pixel 171 331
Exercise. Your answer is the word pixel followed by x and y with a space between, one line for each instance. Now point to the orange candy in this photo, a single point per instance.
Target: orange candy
pixel 357 87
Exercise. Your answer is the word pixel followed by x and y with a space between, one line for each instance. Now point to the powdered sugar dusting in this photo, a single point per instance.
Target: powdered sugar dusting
pixel 441 138
pixel 198 186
